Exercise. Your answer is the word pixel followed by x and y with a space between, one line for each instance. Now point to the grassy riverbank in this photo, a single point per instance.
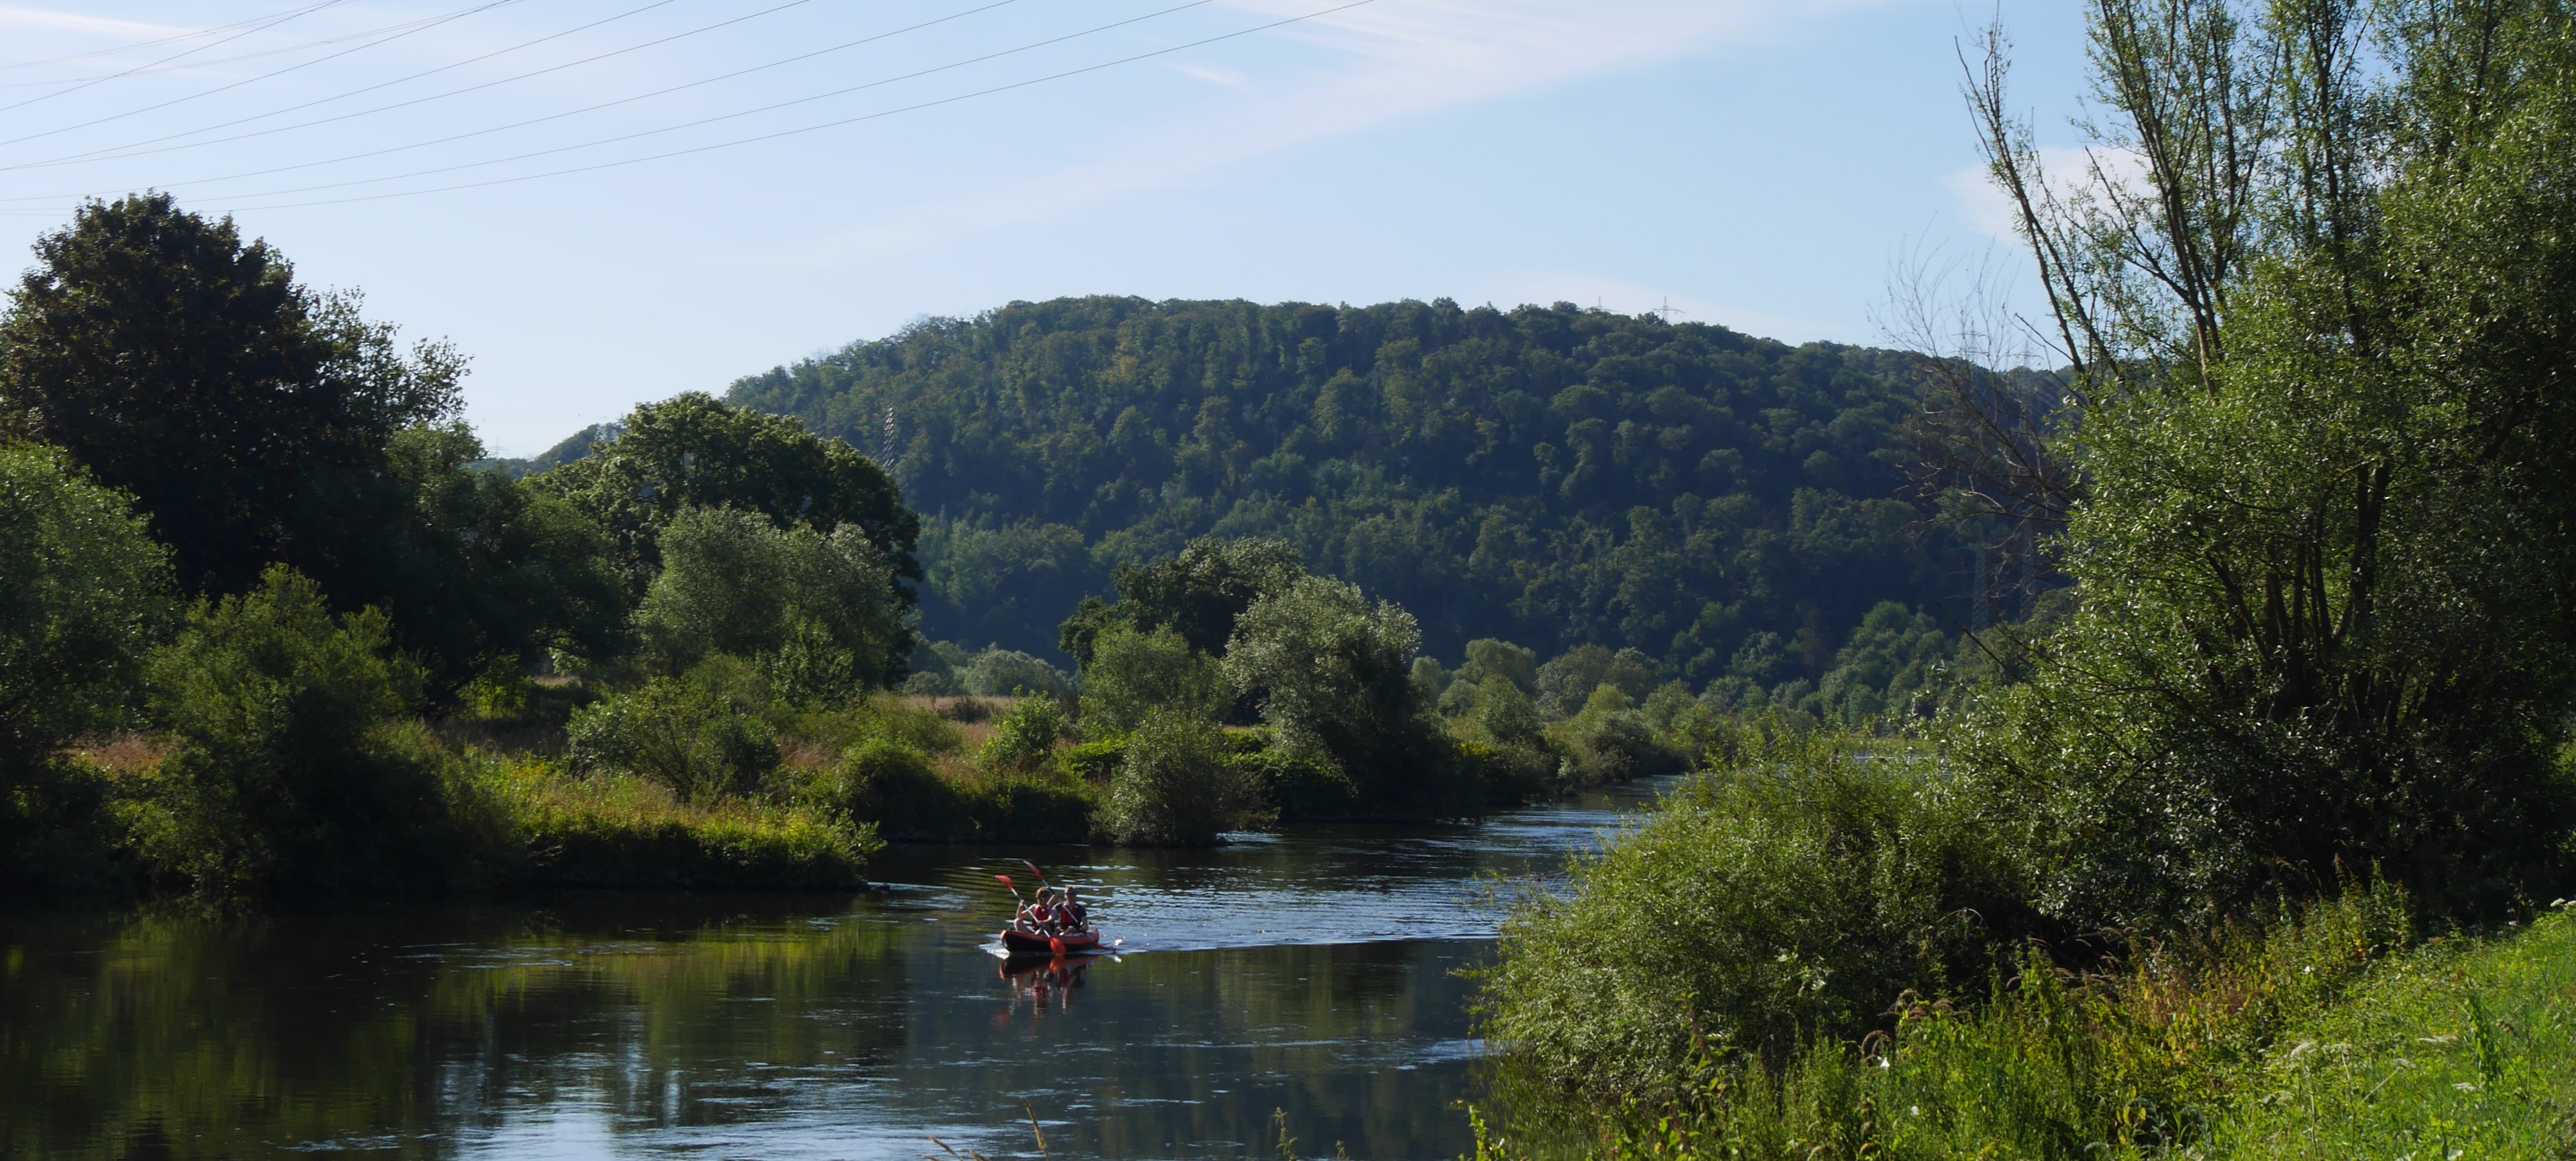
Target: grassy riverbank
pixel 2335 1033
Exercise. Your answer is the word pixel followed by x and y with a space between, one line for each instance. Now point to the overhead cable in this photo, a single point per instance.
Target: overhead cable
pixel 109 153
pixel 292 68
pixel 172 39
pixel 246 30
pixel 880 83
pixel 784 132
pixel 325 42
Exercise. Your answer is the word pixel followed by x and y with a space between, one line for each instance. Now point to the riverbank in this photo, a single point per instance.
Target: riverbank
pixel 2338 1035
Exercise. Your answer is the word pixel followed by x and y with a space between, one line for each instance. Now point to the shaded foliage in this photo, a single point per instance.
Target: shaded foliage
pixel 1547 475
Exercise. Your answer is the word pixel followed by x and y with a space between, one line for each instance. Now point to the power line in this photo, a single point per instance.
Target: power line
pixel 108 153
pixel 493 129
pixel 174 56
pixel 55 60
pixel 880 83
pixel 221 60
pixel 811 128
pixel 451 17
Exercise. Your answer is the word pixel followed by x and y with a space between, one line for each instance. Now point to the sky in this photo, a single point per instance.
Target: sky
pixel 603 202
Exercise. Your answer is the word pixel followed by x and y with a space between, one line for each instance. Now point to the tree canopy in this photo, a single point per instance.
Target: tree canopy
pixel 1547 475
pixel 186 366
pixel 692 451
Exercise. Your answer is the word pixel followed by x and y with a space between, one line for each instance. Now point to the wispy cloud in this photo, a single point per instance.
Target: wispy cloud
pixel 1387 62
pixel 48 20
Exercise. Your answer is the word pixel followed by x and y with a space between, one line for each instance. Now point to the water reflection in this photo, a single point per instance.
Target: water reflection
pixel 1313 973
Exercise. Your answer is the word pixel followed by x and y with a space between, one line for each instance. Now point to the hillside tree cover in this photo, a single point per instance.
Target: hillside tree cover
pixel 1550 476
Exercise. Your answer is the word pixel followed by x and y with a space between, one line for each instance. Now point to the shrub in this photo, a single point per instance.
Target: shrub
pixel 1334 675
pixel 890 784
pixel 86 592
pixel 1180 785
pixel 1137 675
pixel 292 778
pixel 1041 806
pixel 1611 742
pixel 2312 1035
pixel 1026 734
pixel 840 727
pixel 1792 896
pixel 821 612
pixel 1011 673
pixel 702 736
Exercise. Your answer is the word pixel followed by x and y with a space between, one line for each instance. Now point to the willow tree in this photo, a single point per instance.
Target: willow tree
pixel 2313 464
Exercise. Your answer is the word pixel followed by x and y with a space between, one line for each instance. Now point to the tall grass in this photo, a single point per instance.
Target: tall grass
pixel 2326 1032
pixel 1785 898
pixel 619 830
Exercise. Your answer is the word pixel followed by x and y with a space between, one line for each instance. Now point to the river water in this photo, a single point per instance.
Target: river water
pixel 1311 975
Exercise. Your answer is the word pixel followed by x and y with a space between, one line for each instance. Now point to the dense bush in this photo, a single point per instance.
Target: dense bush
pixel 703 735
pixel 1009 673
pixel 818 610
pixel 890 784
pixel 1025 736
pixel 1791 896
pixel 1136 676
pixel 1334 678
pixel 2322 1032
pixel 86 594
pixel 295 776
pixel 1180 784
pixel 1610 741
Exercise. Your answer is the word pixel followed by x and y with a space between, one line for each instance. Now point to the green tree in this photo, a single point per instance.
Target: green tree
pixel 1334 675
pixel 182 365
pixel 475 569
pixel 2311 462
pixel 1178 785
pixel 293 777
pixel 1199 593
pixel 1137 676
pixel 87 594
pixel 826 607
pixel 700 734
pixel 692 451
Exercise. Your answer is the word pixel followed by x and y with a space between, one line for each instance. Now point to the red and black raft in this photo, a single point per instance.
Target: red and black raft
pixel 1017 942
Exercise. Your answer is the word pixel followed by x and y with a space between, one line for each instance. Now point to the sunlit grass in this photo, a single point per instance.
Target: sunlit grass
pixel 624 831
pixel 2326 1035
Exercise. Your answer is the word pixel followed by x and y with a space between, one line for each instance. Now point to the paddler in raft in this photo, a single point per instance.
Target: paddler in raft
pixel 1056 923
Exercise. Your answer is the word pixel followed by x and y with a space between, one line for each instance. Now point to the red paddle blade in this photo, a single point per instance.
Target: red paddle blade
pixel 1033 869
pixel 1006 881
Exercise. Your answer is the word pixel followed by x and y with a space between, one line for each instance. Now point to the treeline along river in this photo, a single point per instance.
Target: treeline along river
pixel 1312 973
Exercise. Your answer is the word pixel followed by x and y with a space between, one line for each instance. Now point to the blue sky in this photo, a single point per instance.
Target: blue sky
pixel 1750 163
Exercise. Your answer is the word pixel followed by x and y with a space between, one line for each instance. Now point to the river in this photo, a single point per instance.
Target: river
pixel 1312 974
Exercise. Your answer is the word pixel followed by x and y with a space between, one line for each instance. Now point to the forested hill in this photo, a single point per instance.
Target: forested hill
pixel 1552 476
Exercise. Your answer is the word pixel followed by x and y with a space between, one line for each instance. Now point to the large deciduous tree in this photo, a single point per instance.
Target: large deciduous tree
pixel 2316 459
pixel 186 366
pixel 692 451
